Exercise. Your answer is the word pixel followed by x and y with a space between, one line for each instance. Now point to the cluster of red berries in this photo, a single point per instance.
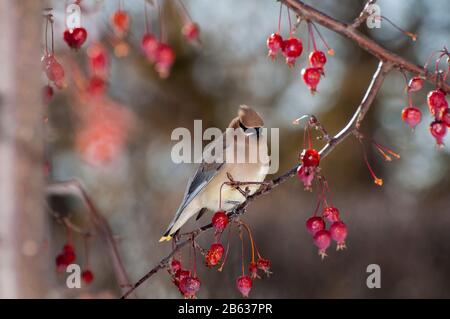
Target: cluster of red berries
pixel 437 105
pixel 292 48
pixel 98 62
pixel 310 159
pixel 66 257
pixel 161 54
pixel 158 53
pixel 316 226
pixel 187 283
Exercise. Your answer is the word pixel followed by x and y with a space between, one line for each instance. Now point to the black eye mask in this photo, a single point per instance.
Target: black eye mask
pixel 245 128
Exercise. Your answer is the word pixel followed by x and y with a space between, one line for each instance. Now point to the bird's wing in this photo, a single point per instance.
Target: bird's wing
pixel 206 171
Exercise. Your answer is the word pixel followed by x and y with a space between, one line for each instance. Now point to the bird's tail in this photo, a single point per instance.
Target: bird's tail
pixel 180 219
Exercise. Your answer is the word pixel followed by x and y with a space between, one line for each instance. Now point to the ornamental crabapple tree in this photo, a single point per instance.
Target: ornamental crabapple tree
pixel 103 136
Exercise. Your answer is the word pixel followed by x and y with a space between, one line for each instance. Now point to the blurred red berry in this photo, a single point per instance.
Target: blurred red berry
pixel 315 224
pixel 220 221
pixel 214 254
pixel 411 115
pixel 87 276
pixel 338 232
pixel 189 286
pixel 149 45
pixel 317 59
pixel 47 94
pixel 331 214
pixel 191 31
pixel 322 240
pixel 120 22
pixel 415 84
pixel 61 262
pixel 292 49
pixel 96 86
pixel 438 129
pixel 274 44
pixel 244 285
pixel 310 157
pixel 165 57
pixel 98 59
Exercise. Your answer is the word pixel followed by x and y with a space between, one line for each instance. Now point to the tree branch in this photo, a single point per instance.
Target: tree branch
pixel 351 127
pixel 74 187
pixel 367 44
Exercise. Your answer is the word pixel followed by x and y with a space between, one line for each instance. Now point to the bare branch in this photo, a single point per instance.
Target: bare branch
pixel 351 127
pixel 75 188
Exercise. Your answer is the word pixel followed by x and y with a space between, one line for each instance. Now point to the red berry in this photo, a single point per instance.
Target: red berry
pixel 437 103
pixel 220 221
pixel 189 286
pixel 191 31
pixel 70 257
pixel 306 175
pixel 438 129
pixel 165 56
pixel 149 45
pixel 292 49
pixel 311 77
pixel 179 275
pixel 87 276
pixel 96 86
pixel 60 262
pixel 68 248
pixel 415 84
pixel 264 265
pixel 175 265
pixel 274 44
pixel 120 22
pixel 98 59
pixel 322 240
pixel 244 285
pixel 446 117
pixel 310 157
pixel 317 59
pixel 315 224
pixel 47 94
pixel 338 231
pixel 214 254
pixel 253 270
pixel 75 37
pixel 54 70
pixel 331 213
pixel 411 115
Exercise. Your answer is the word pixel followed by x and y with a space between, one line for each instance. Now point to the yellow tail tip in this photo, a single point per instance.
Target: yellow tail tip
pixel 165 238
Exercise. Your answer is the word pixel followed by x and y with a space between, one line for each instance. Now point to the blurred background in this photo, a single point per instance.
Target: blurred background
pixel 119 144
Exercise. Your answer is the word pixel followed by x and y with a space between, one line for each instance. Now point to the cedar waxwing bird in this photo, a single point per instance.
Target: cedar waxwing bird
pixel 206 190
